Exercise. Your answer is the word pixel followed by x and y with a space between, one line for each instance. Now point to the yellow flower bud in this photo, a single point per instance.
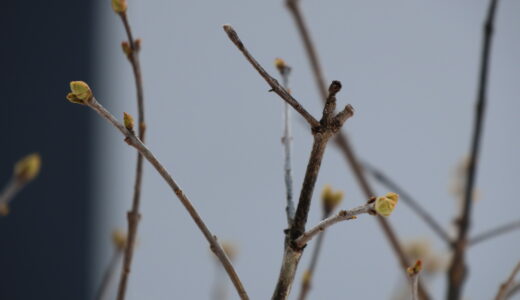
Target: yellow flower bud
pixel 128 121
pixel 307 277
pixel 230 249
pixel 119 6
pixel 27 168
pixel 280 64
pixel 4 209
pixel 385 205
pixel 80 92
pixel 119 239
pixel 330 199
pixel 415 269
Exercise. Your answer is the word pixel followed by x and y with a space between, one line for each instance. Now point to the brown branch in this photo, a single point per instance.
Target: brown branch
pixel 458 268
pixel 275 86
pixel 343 215
pixel 410 201
pixel 495 232
pixel 505 287
pixel 134 141
pixel 132 53
pixel 342 140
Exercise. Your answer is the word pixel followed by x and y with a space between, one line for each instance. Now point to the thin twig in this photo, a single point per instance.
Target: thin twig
pixel 134 141
pixel 515 288
pixel 414 272
pixel 287 143
pixel 410 201
pixel 340 216
pixel 275 86
pixel 342 140
pixel 505 287
pixel 133 215
pixel 108 274
pixel 10 190
pixel 495 232
pixel 458 268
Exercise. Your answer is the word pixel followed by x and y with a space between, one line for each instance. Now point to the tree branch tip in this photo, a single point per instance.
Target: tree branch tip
pixel 27 168
pixel 385 205
pixel 80 92
pixel 334 87
pixel 119 6
pixel 415 269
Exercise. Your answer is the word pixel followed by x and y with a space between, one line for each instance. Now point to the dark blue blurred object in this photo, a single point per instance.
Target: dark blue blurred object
pixel 44 241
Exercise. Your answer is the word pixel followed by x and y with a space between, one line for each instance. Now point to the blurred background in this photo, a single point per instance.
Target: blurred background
pixel 409 68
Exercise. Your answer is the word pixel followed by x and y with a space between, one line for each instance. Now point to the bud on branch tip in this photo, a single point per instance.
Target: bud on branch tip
pixel 80 92
pixel 415 269
pixel 119 6
pixel 385 205
pixel 27 168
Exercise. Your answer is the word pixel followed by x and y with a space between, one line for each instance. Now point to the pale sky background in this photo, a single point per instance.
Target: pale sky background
pixel 409 68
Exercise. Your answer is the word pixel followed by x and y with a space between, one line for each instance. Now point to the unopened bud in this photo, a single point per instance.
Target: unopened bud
pixel 119 239
pixel 80 92
pixel 27 168
pixel 385 205
pixel 415 269
pixel 330 199
pixel 128 121
pixel 119 6
pixel 4 209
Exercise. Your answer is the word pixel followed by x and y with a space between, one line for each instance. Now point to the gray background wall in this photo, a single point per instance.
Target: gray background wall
pixel 409 68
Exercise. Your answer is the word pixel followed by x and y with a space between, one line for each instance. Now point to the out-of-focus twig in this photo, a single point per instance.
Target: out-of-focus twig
pixel 25 170
pixel 494 232
pixel 414 272
pixel 506 286
pixel 458 269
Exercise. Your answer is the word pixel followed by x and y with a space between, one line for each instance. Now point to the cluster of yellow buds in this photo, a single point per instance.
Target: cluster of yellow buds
pixel 385 205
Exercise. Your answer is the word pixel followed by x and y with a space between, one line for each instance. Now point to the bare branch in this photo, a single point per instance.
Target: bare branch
pixel 342 140
pixel 134 141
pixel 505 287
pixel 276 87
pixel 284 70
pixel 131 50
pixel 458 268
pixel 495 232
pixel 410 201
pixel 340 216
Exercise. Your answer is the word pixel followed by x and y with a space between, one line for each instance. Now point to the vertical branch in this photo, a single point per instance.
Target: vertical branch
pixel 131 49
pixel 284 70
pixel 458 268
pixel 341 139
